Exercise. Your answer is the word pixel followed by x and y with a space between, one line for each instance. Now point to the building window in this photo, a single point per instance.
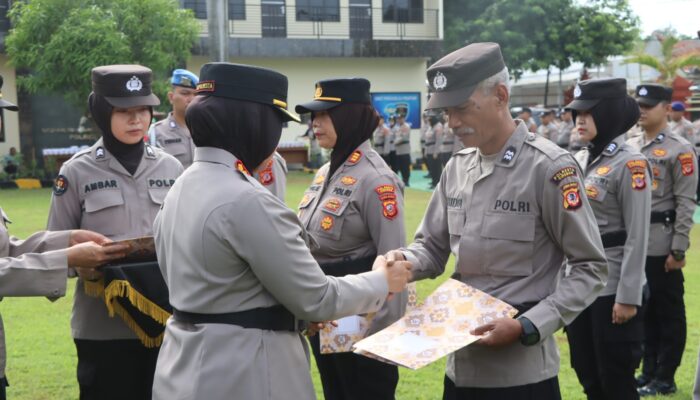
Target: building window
pixel 403 11
pixel 318 10
pixel 236 8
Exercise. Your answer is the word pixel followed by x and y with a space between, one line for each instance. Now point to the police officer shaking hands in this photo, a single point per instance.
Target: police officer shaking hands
pixel 511 208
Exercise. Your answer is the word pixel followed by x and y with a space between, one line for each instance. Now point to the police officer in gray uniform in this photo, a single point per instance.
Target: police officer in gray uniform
pixel 402 143
pixel 675 177
pixel 606 338
pixel 354 211
pixel 115 188
pixel 171 134
pixel 511 208
pixel 241 271
pixel 446 145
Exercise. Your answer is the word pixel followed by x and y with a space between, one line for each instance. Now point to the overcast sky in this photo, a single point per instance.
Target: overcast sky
pixel 683 15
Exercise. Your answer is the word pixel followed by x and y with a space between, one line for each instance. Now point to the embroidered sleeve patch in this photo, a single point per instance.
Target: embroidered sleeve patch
pixel 686 160
pixel 266 176
pixel 60 185
pixel 390 209
pixel 563 174
pixel 384 189
pixel 572 197
pixel 638 168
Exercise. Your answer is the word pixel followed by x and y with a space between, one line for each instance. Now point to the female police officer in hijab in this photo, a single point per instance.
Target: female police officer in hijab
pixel 605 339
pixel 235 258
pixel 115 188
pixel 353 211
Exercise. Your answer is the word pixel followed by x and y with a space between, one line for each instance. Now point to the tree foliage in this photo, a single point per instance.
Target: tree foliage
pixel 669 64
pixel 60 41
pixel 538 34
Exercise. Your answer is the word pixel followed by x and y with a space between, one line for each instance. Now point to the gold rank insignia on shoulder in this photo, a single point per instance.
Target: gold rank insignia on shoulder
pixel 355 157
pixel 241 167
pixel 572 198
pixel 348 180
pixel 319 179
pixel 686 160
pixel 327 223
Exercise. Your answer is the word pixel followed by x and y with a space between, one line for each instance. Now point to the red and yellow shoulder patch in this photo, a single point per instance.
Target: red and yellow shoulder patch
pixel 686 160
pixel 390 209
pixel 638 168
pixel 241 167
pixel 266 176
pixel 327 223
pixel 355 157
pixel 572 198
pixel 384 189
pixel 348 180
pixel 604 170
pixel 563 174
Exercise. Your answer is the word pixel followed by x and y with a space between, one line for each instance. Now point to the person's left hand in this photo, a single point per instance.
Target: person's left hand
pixel 313 328
pixel 78 236
pixel 499 332
pixel 623 312
pixel 672 264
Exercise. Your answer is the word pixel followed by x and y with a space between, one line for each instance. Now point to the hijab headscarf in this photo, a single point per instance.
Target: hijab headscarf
pixel 354 124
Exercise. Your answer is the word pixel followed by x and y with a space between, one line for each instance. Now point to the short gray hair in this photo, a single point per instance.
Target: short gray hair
pixel 499 78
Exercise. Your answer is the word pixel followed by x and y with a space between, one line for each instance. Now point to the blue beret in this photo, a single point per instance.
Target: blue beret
pixel 184 78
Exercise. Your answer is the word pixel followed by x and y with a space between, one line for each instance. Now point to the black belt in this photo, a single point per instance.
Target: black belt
pixel 447 142
pixel 350 267
pixel 665 217
pixel 275 318
pixel 614 239
pixel 429 144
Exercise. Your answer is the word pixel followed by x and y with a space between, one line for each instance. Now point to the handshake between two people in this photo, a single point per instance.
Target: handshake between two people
pixel 397 272
pixel 88 251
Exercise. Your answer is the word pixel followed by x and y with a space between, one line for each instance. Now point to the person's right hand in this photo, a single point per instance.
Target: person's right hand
pixel 91 254
pixel 313 328
pixel 398 273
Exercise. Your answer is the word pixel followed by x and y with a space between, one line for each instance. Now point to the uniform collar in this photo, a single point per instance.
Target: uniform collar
pixel 512 149
pixel 172 124
pixel 215 155
pixel 100 153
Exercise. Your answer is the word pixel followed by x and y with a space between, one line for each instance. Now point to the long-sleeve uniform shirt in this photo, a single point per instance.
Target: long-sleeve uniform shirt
pixel 93 191
pixel 510 223
pixel 36 266
pixel 402 139
pixel 357 213
pixel 618 187
pixel 242 249
pixel 175 139
pixel 675 178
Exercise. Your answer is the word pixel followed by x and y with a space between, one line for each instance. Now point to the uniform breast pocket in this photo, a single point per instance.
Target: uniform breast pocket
pixel 105 213
pixel 509 243
pixel 455 222
pixel 176 149
pixel 332 213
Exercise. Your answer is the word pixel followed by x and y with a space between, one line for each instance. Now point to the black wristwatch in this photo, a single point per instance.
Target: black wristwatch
pixel 678 255
pixel 530 335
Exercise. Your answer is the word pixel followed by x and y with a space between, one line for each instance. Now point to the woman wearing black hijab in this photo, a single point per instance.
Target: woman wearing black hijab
pixel 606 338
pixel 354 211
pixel 115 188
pixel 236 260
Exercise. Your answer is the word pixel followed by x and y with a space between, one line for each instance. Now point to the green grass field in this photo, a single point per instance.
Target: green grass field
pixel 41 356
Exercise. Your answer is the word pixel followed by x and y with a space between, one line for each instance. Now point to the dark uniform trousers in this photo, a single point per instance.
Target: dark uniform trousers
pixel 605 355
pixel 434 169
pixel 129 360
pixel 548 389
pixel 391 161
pixel 403 164
pixel 664 324
pixel 348 376
pixel 444 158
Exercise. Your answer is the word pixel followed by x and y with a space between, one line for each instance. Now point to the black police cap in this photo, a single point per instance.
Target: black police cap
pixel 588 93
pixel 334 92
pixel 6 104
pixel 246 82
pixel 453 78
pixel 124 86
pixel 652 94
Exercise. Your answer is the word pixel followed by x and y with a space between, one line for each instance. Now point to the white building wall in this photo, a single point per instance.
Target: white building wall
pixel 10 119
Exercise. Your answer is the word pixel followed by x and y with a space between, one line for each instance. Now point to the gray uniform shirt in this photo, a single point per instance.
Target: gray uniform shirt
pixel 100 195
pixel 402 139
pixel 618 186
pixel 684 129
pixel 432 137
pixel 675 170
pixel 242 249
pixel 36 266
pixel 358 212
pixel 510 231
pixel 274 176
pixel 379 138
pixel 447 141
pixel 174 139
pixel 548 131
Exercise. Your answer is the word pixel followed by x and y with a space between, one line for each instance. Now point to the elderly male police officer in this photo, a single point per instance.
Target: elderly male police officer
pixel 171 134
pixel 511 207
pixel 675 178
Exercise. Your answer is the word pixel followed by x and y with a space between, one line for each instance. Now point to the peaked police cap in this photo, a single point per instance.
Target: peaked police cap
pixel 124 86
pixel 334 92
pixel 588 93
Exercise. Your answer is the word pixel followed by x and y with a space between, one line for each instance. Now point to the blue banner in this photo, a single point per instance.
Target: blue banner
pixel 407 104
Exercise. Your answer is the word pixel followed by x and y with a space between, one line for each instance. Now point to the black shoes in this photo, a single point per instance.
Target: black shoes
pixel 657 387
pixel 643 380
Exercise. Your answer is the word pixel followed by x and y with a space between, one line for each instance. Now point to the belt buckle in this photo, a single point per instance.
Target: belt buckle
pixel 667 226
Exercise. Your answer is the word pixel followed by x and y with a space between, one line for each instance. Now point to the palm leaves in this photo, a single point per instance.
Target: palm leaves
pixel 668 65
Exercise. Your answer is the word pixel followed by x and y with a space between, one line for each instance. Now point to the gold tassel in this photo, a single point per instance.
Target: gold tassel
pixel 146 340
pixel 94 288
pixel 122 288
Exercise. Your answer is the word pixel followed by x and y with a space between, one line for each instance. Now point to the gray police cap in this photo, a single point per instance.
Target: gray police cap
pixel 453 78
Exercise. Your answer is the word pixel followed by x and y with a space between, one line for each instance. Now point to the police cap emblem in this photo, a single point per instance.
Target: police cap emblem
pixel 577 91
pixel 134 84
pixel 643 91
pixel 439 81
